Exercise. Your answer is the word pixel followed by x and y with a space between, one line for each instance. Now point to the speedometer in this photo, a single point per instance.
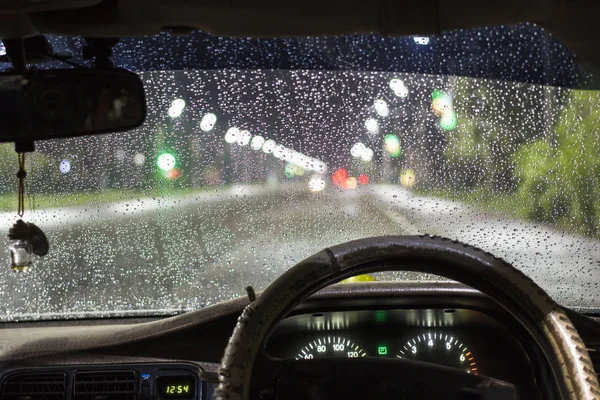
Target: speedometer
pixel 330 346
pixel 439 348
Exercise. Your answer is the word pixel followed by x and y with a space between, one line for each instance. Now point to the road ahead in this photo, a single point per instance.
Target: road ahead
pixel 197 250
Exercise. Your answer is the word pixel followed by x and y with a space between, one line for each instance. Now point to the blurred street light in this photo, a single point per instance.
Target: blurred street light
pixel 244 138
pixel 232 135
pixel 316 183
pixel 357 149
pixel 367 155
pixel 269 146
pixel 381 108
pixel 139 159
pixel 208 121
pixel 165 161
pixel 391 144
pixel 398 87
pixel 64 166
pixel 176 108
pixel 257 143
pixel 371 125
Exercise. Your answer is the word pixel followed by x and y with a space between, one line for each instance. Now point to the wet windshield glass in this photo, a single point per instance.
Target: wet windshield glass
pixel 239 174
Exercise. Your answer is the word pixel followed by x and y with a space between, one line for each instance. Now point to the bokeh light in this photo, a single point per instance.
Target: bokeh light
pixel 421 40
pixel 232 135
pixel 351 183
pixel 289 170
pixel 316 183
pixel 339 176
pixel 436 94
pixel 139 159
pixel 441 105
pixel 398 87
pixel 391 144
pixel 363 179
pixel 319 166
pixel 166 161
pixel 381 108
pixel 208 121
pixel 174 112
pixel 278 151
pixel 396 84
pixel 408 178
pixel 371 125
pixel 120 155
pixel 244 138
pixel 357 149
pixel 448 121
pixel 257 143
pixel 176 108
pixel 64 166
pixel 173 174
pixel 178 103
pixel 367 155
pixel 269 146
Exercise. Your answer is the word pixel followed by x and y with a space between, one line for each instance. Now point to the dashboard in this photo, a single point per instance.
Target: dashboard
pixel 459 338
pixel 177 358
pixel 464 339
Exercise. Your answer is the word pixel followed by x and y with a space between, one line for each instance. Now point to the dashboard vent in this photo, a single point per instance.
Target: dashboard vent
pixel 105 385
pixel 35 386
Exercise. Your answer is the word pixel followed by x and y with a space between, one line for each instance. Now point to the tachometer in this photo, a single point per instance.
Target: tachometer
pixel 330 346
pixel 439 348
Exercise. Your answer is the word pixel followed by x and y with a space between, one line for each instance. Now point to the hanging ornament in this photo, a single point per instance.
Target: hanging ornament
pixel 27 238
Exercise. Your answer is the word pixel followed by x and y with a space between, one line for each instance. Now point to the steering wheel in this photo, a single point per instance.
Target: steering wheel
pixel 247 372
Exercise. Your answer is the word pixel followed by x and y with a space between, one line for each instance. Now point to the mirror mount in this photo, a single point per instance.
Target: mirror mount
pixel 24 146
pixel 99 49
pixel 15 51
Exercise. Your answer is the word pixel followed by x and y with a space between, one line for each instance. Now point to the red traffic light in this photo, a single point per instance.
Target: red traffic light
pixel 173 174
pixel 363 179
pixel 339 176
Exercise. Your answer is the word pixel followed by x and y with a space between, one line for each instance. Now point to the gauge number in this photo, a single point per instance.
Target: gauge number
pixel 439 348
pixel 330 346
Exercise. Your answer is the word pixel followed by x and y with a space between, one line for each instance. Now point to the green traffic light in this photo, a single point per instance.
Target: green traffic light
pixel 448 121
pixel 166 161
pixel 392 145
pixel 437 93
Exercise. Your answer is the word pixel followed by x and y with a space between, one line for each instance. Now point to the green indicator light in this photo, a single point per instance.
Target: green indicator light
pixel 382 350
pixel 380 316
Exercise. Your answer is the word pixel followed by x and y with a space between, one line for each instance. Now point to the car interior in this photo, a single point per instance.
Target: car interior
pixel 279 200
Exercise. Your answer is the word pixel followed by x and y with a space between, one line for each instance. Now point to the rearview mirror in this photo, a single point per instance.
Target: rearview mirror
pixel 51 104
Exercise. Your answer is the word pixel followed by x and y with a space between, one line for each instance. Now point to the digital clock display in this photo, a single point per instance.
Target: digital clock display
pixel 176 387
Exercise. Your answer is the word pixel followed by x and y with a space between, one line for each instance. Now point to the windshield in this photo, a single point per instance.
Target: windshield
pixel 240 173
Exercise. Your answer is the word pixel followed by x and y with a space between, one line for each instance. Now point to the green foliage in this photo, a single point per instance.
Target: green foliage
pixel 535 148
pixel 559 177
